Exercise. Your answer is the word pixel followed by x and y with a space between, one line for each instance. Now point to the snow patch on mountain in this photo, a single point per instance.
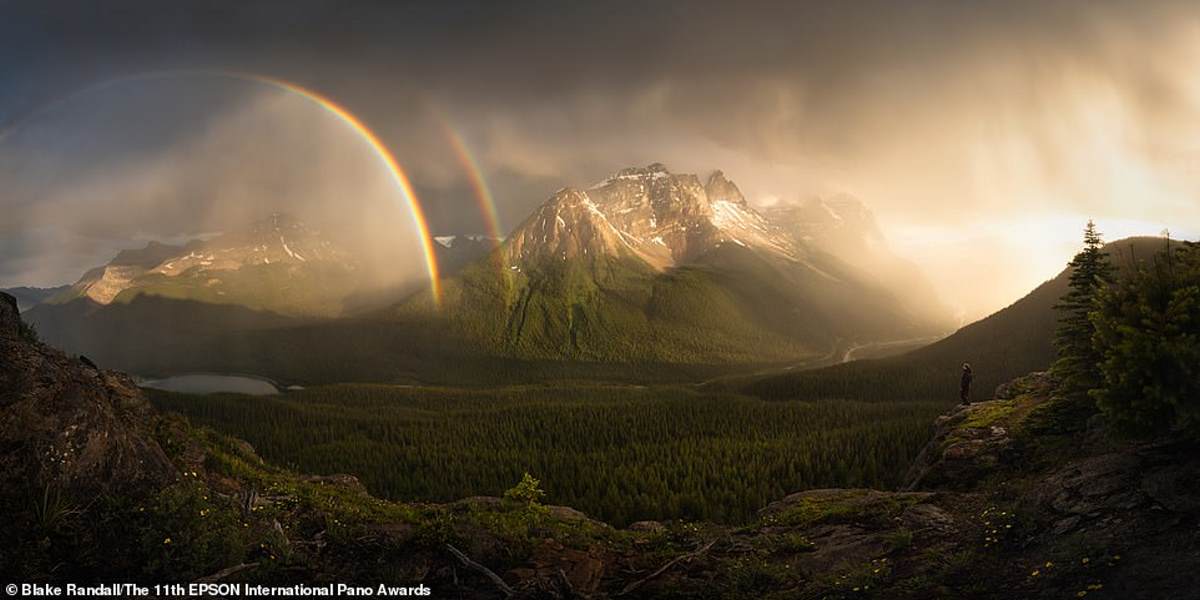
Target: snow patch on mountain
pixel 660 217
pixel 278 241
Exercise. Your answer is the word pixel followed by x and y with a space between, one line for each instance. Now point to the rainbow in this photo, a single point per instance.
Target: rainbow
pixel 483 194
pixel 381 151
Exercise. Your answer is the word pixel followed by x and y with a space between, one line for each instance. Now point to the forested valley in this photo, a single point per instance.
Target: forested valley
pixel 619 453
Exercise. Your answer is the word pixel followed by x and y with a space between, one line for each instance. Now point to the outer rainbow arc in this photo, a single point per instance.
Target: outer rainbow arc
pixel 483 193
pixel 381 150
pixel 389 160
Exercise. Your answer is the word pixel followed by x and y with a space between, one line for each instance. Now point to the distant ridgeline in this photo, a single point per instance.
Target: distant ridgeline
pixel 645 267
pixel 278 265
pixel 28 297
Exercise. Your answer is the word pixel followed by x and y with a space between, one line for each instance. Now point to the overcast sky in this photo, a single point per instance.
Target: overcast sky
pixel 983 135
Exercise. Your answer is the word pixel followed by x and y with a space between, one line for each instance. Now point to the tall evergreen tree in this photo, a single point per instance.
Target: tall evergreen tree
pixel 1078 364
pixel 1148 331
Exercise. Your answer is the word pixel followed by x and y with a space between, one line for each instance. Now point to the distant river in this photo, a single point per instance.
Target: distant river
pixel 210 383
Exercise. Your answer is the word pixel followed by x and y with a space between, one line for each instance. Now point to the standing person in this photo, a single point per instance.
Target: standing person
pixel 965 389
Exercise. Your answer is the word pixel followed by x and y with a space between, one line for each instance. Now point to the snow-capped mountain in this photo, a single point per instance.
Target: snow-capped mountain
pixel 664 219
pixel 653 265
pixel 262 266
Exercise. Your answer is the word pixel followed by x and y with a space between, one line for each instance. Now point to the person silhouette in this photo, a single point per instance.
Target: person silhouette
pixel 965 387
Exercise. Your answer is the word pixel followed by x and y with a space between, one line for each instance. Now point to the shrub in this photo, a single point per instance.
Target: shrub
pixel 528 492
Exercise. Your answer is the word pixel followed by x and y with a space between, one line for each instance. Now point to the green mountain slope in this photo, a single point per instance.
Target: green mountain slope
pixel 1005 345
pixel 654 266
pixel 615 308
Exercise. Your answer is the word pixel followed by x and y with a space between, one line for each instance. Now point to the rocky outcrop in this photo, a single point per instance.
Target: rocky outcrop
pixel 973 442
pixel 1066 497
pixel 1040 384
pixel 10 316
pixel 969 445
pixel 67 426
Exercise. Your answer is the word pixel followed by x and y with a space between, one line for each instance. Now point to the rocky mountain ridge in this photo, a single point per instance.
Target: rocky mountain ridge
pixel 277 240
pixel 650 265
pixel 645 266
pixel 662 218
pixel 277 264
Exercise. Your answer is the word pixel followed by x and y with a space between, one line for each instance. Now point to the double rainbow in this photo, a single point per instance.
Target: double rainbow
pixel 381 151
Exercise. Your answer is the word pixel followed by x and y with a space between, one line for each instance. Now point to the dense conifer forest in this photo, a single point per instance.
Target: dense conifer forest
pixel 620 453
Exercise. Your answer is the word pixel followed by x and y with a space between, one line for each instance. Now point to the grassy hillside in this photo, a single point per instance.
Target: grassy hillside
pixel 621 453
pixel 608 308
pixel 316 289
pixel 1012 342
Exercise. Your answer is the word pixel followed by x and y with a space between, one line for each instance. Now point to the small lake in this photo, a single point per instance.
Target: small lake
pixel 209 383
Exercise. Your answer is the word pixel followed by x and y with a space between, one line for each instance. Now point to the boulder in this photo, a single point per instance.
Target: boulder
pixel 967 445
pixel 1037 382
pixel 349 482
pixel 646 526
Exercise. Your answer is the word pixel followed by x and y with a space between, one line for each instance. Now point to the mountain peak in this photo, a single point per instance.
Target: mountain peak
pixel 663 218
pixel 652 170
pixel 279 222
pixel 719 189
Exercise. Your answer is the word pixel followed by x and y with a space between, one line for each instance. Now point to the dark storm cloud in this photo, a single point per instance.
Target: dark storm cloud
pixel 943 116
pixel 540 51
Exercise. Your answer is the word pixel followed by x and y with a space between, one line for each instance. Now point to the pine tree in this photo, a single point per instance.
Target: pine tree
pixel 1078 364
pixel 1148 331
